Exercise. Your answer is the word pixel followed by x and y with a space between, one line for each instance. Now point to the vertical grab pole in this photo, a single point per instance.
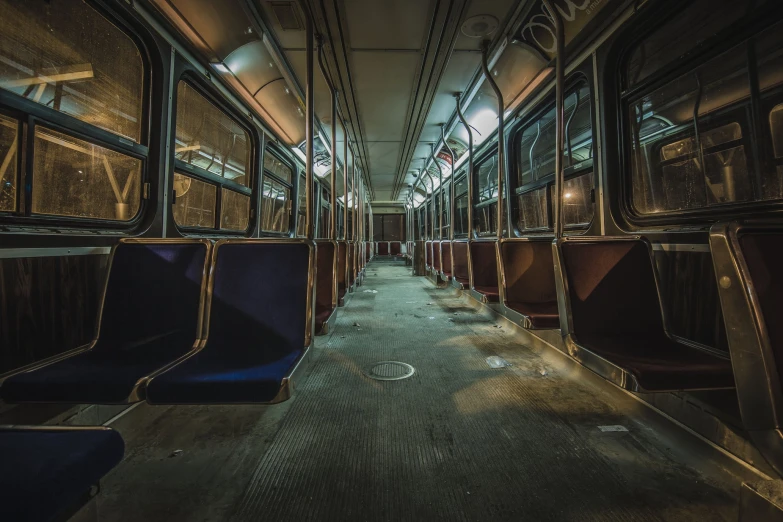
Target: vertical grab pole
pixel 469 178
pixel 345 203
pixel 354 192
pixel 469 174
pixel 501 138
pixel 309 131
pixel 451 185
pixel 440 192
pixel 560 113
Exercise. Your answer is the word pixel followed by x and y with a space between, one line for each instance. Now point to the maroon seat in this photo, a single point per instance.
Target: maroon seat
pixel 445 249
pixel 368 250
pixel 428 254
pixel 539 315
pixel 383 248
pixel 436 255
pixel 395 248
pixel 529 272
pixel 616 314
pixel 485 269
pixel 351 263
pixel 459 252
pixel 341 261
pixel 324 284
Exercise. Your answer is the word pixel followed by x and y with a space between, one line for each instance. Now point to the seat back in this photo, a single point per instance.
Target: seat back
pixel 436 255
pixel 342 259
pixel 750 286
pixel 445 251
pixel 485 268
pixel 459 252
pixel 383 248
pixel 428 254
pixel 529 271
pixel 261 295
pixel 611 286
pixel 154 288
pixel 351 262
pixel 325 282
pixel 368 249
pixel 395 248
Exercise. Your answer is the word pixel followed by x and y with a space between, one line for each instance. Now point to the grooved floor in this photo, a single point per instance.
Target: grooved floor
pixel 456 441
pixel 459 440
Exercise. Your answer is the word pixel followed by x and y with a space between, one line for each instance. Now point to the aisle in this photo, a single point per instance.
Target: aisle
pixel 460 440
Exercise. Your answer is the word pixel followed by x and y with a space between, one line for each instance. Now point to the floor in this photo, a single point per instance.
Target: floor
pixel 541 439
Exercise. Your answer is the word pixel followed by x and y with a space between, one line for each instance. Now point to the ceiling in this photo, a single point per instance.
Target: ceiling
pixel 396 65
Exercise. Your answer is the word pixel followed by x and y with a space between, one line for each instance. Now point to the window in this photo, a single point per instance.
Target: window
pixel 691 140
pixel 535 159
pixel 461 226
pixel 301 207
pixel 212 162
pixel 276 194
pixel 485 210
pixel 446 208
pixel 68 59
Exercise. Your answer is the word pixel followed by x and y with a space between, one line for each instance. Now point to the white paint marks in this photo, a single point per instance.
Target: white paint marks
pixel 614 427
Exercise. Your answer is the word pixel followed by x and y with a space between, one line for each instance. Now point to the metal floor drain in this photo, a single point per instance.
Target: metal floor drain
pixel 391 371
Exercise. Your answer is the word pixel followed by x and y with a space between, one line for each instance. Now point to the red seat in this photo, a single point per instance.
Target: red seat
pixel 540 315
pixel 529 277
pixel 485 269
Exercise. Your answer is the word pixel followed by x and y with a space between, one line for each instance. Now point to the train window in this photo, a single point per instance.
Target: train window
pixel 691 139
pixel 301 208
pixel 212 153
pixel 486 209
pixel 536 165
pixel 234 210
pixel 446 208
pixel 209 139
pixel 776 128
pixel 276 206
pixel 461 207
pixel 275 166
pixel 9 148
pixel 690 27
pixel 68 57
pixel 194 203
pixel 533 212
pixel 72 177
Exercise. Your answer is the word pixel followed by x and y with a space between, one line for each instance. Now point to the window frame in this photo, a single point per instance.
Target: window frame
pixel 292 187
pixel 757 141
pixel 186 72
pixel 31 114
pixel 579 78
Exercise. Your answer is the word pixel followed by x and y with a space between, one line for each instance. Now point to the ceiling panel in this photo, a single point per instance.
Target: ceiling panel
pixel 497 8
pixel 384 156
pixel 459 72
pixel 382 85
pixel 381 24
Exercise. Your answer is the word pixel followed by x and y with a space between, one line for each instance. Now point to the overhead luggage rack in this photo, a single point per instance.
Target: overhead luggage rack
pixel 150 318
pixel 614 322
pixel 258 328
pixel 747 267
pixel 528 277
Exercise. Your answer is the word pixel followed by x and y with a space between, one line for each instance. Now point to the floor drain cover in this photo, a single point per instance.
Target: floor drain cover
pixel 391 371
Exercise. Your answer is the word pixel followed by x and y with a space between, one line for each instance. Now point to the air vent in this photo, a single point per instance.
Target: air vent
pixel 288 16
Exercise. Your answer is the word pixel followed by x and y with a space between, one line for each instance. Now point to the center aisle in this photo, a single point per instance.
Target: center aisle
pixel 460 440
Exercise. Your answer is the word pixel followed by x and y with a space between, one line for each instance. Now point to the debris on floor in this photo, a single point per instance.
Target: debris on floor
pixel 356 325
pixel 615 427
pixel 371 291
pixel 543 372
pixel 175 453
pixel 497 362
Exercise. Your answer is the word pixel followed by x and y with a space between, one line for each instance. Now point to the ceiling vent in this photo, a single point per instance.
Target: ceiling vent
pixel 480 26
pixel 287 15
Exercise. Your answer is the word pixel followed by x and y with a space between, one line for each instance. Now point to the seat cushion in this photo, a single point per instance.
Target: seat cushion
pixel 104 375
pixel 541 315
pixel 321 316
pixel 44 474
pixel 490 292
pixel 220 375
pixel 659 363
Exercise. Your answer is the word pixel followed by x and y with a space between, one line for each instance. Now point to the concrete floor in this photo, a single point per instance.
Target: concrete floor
pixel 456 441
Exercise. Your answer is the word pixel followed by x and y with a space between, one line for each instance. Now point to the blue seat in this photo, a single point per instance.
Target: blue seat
pixel 151 316
pixel 47 473
pixel 260 325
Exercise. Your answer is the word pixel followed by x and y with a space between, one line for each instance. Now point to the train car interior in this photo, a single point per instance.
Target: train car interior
pixel 391 260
